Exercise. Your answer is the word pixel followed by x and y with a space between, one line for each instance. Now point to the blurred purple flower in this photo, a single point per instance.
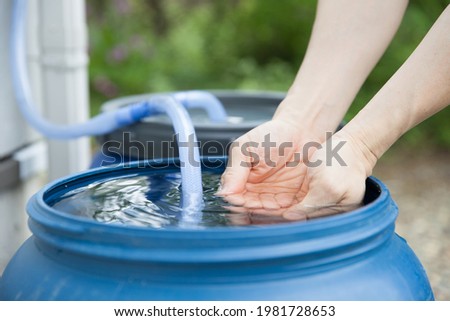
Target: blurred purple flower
pixel 138 44
pixel 105 86
pixel 122 6
pixel 118 54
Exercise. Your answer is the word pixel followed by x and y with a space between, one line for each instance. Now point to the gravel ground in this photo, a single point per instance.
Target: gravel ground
pixel 420 185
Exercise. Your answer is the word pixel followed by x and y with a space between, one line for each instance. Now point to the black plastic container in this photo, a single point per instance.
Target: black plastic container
pixel 154 137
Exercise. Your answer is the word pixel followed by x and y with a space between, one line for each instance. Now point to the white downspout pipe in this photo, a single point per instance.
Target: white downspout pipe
pixel 64 59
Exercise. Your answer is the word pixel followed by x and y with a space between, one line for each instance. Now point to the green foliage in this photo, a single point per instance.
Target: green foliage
pixel 155 45
pixel 418 19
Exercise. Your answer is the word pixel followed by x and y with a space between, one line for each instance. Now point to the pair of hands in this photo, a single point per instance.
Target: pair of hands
pixel 334 67
pixel 294 174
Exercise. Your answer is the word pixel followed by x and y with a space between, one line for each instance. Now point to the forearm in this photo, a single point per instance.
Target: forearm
pixel 419 89
pixel 348 38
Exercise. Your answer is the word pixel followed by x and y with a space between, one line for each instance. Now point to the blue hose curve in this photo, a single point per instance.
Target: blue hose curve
pixel 101 124
pixel 172 105
pixel 203 99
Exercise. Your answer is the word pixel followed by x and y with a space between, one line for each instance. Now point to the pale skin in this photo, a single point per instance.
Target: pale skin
pixel 342 51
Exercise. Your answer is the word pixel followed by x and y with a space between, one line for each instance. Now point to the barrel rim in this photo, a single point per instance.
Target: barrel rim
pixel 373 223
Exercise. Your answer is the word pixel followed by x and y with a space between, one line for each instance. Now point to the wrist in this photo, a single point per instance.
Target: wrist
pixel 359 146
pixel 311 116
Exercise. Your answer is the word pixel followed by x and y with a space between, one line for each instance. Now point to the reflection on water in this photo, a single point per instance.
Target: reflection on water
pixel 153 201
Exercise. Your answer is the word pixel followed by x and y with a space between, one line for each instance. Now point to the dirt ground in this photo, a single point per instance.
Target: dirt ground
pixel 420 184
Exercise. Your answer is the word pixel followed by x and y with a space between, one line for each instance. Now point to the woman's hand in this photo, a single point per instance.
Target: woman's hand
pixel 334 181
pixel 264 169
pixel 304 183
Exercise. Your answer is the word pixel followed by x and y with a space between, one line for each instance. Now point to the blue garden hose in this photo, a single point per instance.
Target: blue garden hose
pixel 171 104
pixel 101 124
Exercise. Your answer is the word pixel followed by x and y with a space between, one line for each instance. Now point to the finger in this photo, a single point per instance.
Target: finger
pixel 236 209
pixel 326 210
pixel 317 205
pixel 235 199
pixel 267 212
pixel 304 212
pixel 285 199
pixel 236 174
pixel 257 219
pixel 252 200
pixel 245 216
pixel 268 201
pixel 311 202
pixel 258 211
pixel 326 197
pixel 296 213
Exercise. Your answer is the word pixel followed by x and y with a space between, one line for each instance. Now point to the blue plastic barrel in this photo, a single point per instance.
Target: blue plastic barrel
pixel 351 256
